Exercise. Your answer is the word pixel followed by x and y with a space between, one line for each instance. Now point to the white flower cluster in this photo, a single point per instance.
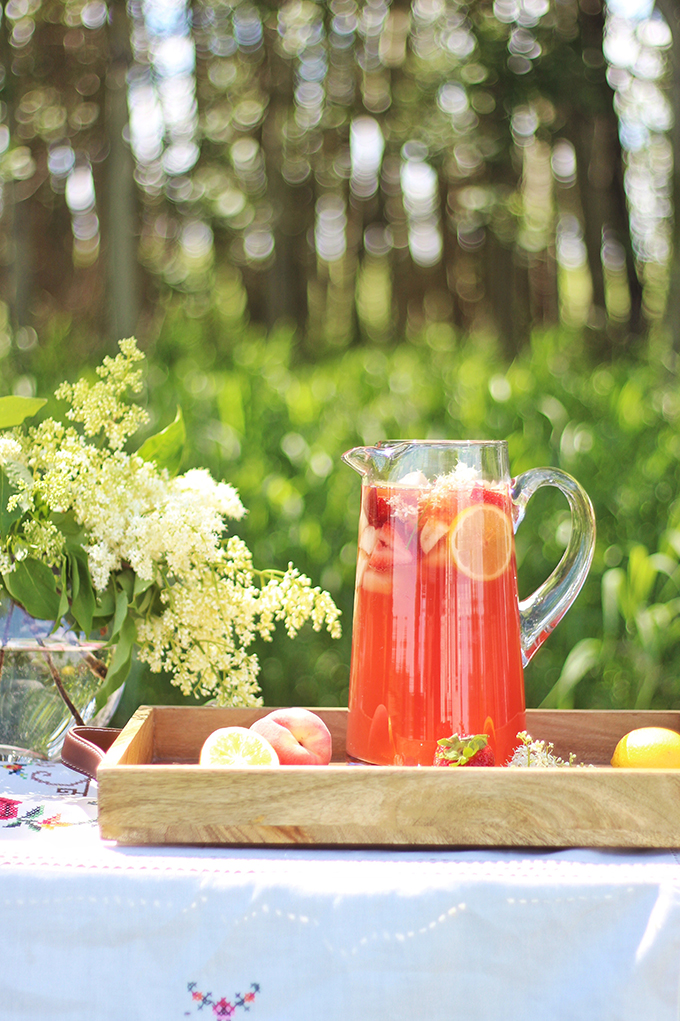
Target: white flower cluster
pixel 10 449
pixel 211 603
pixel 101 407
pixel 533 754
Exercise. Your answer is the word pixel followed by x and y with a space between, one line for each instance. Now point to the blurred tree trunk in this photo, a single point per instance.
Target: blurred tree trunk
pixel 120 197
pixel 455 94
pixel 18 240
pixel 283 285
pixel 671 12
pixel 593 130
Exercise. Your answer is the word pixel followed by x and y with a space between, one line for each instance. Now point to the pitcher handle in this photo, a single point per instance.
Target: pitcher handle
pixel 544 609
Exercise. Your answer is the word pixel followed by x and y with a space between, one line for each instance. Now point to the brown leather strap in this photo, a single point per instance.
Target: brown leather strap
pixel 85 747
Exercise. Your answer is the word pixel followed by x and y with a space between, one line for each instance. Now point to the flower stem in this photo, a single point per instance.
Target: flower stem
pixel 61 689
pixel 56 677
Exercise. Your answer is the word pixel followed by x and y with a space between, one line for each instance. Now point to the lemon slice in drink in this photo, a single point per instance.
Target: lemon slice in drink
pixel 237 747
pixel 648 748
pixel 481 541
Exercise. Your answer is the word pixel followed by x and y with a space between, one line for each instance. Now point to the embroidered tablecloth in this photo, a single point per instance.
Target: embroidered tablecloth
pixel 101 933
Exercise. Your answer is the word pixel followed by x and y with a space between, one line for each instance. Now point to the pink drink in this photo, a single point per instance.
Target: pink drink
pixel 436 642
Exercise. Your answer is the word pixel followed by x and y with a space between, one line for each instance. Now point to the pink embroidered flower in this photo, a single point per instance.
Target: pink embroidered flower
pixel 9 809
pixel 223 1009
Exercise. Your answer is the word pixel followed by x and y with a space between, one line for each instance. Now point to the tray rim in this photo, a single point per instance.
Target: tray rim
pixel 148 714
pixel 141 802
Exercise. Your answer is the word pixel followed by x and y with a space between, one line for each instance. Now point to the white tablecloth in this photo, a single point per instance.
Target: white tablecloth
pixel 95 932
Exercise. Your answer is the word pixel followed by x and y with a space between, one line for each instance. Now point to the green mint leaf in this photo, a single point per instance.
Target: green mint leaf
pixel 14 410
pixel 166 448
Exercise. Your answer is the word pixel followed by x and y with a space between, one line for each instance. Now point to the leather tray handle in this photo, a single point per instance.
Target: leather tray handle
pixel 85 747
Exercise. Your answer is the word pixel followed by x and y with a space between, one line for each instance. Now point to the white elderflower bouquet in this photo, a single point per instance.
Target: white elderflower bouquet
pixel 115 542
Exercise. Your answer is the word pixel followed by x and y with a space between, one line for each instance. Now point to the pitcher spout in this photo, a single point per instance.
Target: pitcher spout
pixel 373 460
pixel 360 458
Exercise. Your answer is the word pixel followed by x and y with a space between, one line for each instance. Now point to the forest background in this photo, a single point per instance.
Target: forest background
pixel 338 222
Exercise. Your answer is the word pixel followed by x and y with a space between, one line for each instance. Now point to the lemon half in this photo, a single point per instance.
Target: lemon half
pixel 237 747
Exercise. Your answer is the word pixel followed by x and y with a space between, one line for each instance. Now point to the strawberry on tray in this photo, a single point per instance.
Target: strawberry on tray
pixel 468 750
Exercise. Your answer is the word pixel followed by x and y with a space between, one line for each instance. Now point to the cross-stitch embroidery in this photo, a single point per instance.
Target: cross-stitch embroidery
pixel 78 786
pixel 34 818
pixel 9 808
pixel 221 1008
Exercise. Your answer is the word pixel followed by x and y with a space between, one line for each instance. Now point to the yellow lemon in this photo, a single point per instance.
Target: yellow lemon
pixel 648 748
pixel 237 747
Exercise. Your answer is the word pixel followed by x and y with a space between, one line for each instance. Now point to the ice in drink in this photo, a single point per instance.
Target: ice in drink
pixel 436 643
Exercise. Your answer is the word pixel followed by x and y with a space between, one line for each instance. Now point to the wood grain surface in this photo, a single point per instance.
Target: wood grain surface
pixel 151 791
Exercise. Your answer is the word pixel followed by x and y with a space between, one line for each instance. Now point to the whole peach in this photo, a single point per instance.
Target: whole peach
pixel 298 736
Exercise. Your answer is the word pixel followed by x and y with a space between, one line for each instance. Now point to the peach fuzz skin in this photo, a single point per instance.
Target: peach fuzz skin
pixel 298 736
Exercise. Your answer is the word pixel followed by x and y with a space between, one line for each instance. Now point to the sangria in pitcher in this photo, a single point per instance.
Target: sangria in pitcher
pixel 440 637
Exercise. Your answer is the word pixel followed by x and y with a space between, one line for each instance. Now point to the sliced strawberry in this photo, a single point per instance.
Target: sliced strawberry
pixel 485 494
pixel 389 550
pixel 468 750
pixel 377 508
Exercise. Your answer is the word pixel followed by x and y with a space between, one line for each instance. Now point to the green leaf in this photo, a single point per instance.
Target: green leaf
pixel 83 601
pixel 166 448
pixel 68 526
pixel 613 584
pixel 583 657
pixel 105 604
pixel 13 410
pixel 119 667
pixel 7 518
pixel 120 615
pixel 33 585
pixel 145 602
pixel 141 585
pixel 63 607
pixel 125 580
pixel 641 576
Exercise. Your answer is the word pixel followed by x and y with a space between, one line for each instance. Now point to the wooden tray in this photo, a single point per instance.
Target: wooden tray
pixel 152 791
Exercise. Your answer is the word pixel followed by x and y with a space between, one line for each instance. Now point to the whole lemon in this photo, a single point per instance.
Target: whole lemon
pixel 648 748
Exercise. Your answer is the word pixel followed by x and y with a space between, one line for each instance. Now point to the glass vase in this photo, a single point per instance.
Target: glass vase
pixel 50 680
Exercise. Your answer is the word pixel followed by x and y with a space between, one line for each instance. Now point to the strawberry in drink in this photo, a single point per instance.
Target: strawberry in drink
pixel 436 644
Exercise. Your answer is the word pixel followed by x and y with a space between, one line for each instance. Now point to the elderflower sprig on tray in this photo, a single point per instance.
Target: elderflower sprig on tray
pixel 534 754
pixel 117 542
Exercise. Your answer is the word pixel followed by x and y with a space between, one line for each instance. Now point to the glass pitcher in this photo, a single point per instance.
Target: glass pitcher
pixel 440 636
